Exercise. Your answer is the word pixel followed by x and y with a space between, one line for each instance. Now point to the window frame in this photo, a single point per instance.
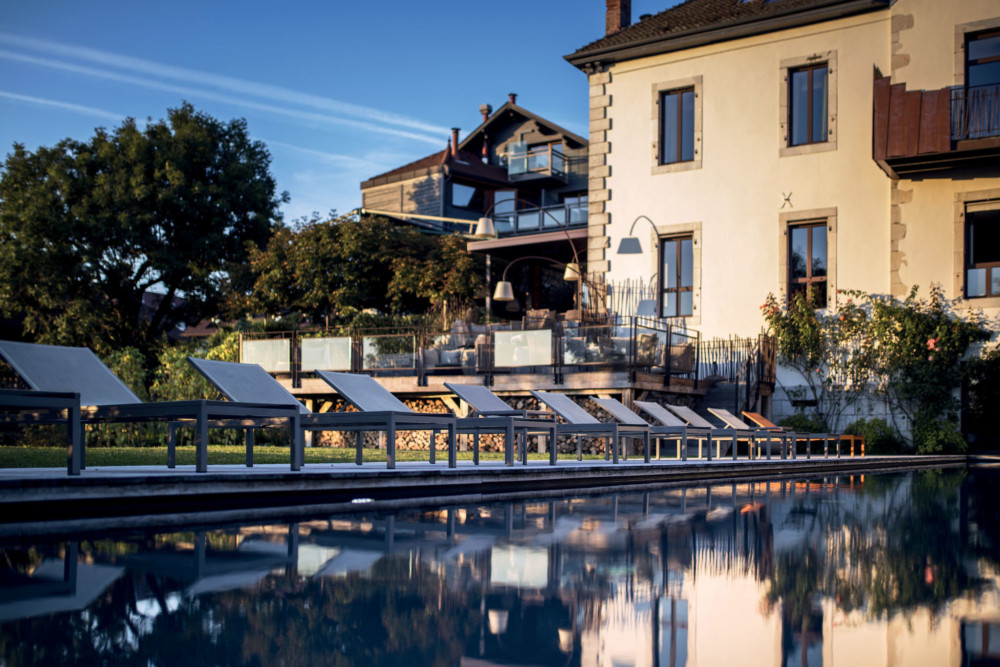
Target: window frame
pixel 810 280
pixel 787 221
pixel 785 69
pixel 967 246
pixel 963 200
pixel 810 99
pixel 968 61
pixel 662 289
pixel 679 94
pixel 656 140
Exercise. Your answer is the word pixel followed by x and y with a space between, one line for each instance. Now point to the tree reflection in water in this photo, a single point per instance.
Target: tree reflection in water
pixel 569 582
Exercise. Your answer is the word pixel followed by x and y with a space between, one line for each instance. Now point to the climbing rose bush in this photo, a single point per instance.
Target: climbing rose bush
pixel 906 352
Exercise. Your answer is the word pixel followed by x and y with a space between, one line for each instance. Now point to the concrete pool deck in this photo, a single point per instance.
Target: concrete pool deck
pixel 41 500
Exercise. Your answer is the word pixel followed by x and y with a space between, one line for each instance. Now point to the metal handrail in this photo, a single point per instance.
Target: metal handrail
pixel 975 112
pixel 485 353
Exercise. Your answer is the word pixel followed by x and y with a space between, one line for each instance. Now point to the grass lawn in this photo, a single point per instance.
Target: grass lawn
pixel 55 457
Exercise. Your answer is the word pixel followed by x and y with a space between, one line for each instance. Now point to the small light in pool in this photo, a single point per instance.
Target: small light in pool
pixel 358 501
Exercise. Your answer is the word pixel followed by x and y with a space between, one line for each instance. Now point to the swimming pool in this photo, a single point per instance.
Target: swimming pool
pixel 876 569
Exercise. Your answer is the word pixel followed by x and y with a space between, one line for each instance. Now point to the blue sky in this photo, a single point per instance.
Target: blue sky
pixel 339 91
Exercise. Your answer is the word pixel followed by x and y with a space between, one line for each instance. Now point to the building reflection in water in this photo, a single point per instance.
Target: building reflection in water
pixel 877 570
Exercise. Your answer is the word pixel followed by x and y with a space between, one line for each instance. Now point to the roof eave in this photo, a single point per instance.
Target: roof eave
pixel 696 37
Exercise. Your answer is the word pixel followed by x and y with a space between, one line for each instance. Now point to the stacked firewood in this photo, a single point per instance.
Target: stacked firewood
pixel 488 442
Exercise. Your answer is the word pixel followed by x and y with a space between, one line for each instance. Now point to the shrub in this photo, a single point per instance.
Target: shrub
pixel 880 437
pixel 803 423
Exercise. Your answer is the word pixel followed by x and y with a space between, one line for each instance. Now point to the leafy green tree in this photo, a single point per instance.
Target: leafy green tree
pixel 330 270
pixel 87 228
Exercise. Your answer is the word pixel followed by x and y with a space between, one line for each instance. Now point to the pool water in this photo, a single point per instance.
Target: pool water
pixel 887 570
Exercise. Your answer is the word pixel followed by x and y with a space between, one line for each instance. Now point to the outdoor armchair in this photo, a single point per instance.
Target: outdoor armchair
pixel 106 399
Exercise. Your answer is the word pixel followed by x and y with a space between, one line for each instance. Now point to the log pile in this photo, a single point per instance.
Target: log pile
pixel 487 442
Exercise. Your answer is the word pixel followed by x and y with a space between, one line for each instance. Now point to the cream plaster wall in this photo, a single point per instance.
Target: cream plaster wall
pixel 738 195
pixel 927 39
pixel 929 55
pixel 933 246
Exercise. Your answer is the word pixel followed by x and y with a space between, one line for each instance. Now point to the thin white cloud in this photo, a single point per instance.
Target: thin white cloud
pixel 226 83
pixel 347 161
pixel 185 91
pixel 77 108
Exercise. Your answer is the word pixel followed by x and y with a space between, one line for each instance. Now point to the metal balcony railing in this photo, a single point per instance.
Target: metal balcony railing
pixel 632 344
pixel 535 220
pixel 975 112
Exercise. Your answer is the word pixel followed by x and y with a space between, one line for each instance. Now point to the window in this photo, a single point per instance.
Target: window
pixel 982 250
pixel 467 197
pixel 982 54
pixel 677 126
pixel 808 105
pixel 807 261
pixel 676 277
pixel 978 116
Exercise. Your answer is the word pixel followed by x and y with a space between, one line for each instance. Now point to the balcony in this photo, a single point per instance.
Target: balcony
pixel 920 132
pixel 542 165
pixel 551 218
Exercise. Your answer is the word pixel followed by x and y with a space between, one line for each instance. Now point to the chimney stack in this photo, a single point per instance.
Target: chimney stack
pixel 618 16
pixel 513 98
pixel 454 142
pixel 486 110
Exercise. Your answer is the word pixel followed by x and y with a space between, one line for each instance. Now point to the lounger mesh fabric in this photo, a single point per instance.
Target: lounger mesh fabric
pixel 482 399
pixel 246 383
pixel 57 368
pixel 364 392
pixel 565 407
pixel 619 411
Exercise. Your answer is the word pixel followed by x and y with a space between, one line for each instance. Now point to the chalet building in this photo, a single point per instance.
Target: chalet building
pixel 779 146
pixel 526 173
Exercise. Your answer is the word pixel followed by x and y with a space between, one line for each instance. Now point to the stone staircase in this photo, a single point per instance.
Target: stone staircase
pixel 720 395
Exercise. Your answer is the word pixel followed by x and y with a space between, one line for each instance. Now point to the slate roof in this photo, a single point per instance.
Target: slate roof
pixel 696 16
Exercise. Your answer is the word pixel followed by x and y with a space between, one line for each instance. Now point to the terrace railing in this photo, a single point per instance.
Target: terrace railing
pixel 975 112
pixel 633 345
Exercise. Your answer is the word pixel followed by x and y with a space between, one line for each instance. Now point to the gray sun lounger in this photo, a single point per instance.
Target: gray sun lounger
pixel 26 406
pixel 697 425
pixel 623 414
pixel 579 422
pixel 778 433
pixel 367 395
pixel 106 399
pixel 239 381
pixel 745 430
pixel 489 408
pixel 667 418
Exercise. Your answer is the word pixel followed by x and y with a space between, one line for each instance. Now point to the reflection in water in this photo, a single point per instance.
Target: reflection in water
pixel 875 570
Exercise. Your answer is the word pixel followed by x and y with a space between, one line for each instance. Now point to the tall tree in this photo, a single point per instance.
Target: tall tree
pixel 328 270
pixel 87 229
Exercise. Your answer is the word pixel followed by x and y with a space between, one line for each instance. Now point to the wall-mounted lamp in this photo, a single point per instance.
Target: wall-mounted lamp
pixel 630 245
